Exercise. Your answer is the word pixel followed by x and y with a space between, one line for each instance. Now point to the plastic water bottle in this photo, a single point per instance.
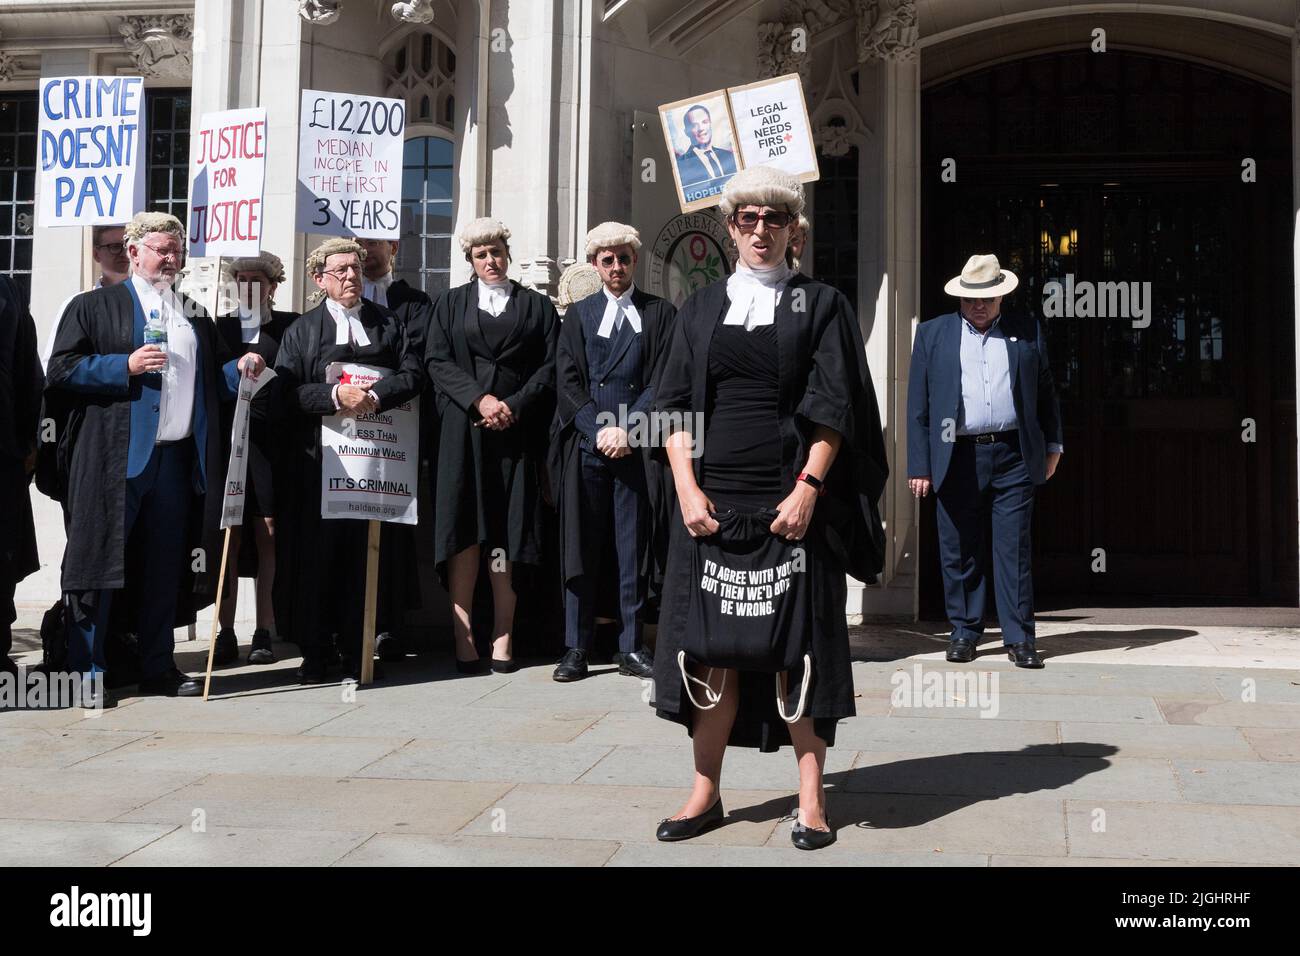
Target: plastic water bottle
pixel 155 330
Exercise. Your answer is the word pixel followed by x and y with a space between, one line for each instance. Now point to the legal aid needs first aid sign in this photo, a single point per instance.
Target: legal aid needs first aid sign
pixel 226 187
pixel 92 133
pixel 350 164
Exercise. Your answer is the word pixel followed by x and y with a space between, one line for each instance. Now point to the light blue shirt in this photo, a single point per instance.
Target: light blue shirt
pixel 986 401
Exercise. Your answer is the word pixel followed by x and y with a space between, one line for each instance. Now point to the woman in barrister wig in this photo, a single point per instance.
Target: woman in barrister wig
pixel 322 564
pixel 254 326
pixel 790 462
pixel 491 359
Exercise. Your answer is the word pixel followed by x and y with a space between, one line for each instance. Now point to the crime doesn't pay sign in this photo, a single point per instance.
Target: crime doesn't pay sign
pixel 91 131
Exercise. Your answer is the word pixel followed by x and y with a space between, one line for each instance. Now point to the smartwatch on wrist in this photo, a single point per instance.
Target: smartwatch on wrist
pixel 813 480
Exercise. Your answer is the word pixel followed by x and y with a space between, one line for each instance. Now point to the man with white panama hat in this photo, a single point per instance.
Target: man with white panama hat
pixel 984 430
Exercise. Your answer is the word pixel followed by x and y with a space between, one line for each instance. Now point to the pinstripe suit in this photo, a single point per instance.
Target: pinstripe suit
pixel 612 491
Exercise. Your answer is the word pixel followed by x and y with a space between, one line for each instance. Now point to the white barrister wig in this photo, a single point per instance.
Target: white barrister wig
pixel 332 247
pixel 267 263
pixel 762 186
pixel 482 231
pixel 143 223
pixel 610 234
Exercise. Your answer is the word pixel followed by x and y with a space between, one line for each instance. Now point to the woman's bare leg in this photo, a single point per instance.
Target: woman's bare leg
pixel 503 611
pixel 711 731
pixel 810 751
pixel 462 575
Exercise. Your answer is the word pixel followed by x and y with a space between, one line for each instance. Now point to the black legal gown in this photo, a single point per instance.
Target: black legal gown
pixel 321 564
pixel 762 394
pixel 21 382
pixel 488 484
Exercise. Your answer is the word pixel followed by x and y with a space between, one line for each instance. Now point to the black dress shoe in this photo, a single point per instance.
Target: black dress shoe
pixel 389 647
pixel 261 652
pixel 809 838
pixel 470 667
pixel 961 651
pixel 227 649
pixel 504 667
pixel 174 683
pixel 639 663
pixel 672 830
pixel 313 670
pixel 572 666
pixel 1024 654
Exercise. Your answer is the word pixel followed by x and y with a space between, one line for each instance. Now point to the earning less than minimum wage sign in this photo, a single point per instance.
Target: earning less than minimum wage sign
pixel 226 189
pixel 92 130
pixel 369 463
pixel 350 164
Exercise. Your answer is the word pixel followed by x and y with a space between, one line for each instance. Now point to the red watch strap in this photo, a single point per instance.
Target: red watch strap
pixel 814 481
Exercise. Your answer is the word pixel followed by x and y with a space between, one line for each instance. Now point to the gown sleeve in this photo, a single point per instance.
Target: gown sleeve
pixel 408 381
pixel 834 383
pixel 293 365
pixel 440 361
pixel 74 363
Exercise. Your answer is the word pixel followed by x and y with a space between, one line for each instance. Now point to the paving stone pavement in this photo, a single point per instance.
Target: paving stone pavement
pixel 1118 753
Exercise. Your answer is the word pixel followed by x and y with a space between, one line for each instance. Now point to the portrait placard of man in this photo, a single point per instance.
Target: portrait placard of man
pixel 700 135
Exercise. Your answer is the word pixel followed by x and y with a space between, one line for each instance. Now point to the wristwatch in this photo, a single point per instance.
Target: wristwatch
pixel 814 481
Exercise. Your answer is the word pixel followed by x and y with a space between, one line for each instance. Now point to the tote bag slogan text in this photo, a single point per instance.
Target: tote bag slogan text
pixel 751 607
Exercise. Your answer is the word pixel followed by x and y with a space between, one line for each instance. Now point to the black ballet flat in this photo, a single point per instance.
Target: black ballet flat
pixel 672 830
pixel 809 838
pixel 470 667
pixel 504 667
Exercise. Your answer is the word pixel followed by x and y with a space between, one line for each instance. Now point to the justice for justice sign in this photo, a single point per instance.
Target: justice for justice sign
pixel 369 463
pixel 772 127
pixel 91 129
pixel 226 189
pixel 350 165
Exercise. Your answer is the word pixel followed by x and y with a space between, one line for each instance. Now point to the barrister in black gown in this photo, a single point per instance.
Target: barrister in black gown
pixel 322 564
pixel 255 326
pixel 491 358
pixel 401 566
pixel 776 364
pixel 21 381
pixel 611 352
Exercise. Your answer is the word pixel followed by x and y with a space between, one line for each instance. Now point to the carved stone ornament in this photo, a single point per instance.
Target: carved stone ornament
pixel 417 11
pixel 886 30
pixel 8 64
pixel 776 52
pixel 320 13
pixel 832 140
pixel 160 45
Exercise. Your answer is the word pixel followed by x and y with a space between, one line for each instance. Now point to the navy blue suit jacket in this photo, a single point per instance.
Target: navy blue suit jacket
pixel 934 395
pixel 692 169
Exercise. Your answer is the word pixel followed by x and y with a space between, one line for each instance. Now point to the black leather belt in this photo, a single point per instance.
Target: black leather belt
pixel 987 438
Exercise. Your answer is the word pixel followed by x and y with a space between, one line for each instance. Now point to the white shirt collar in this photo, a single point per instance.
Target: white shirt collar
pixel 616 305
pixel 493 298
pixel 754 295
pixel 345 319
pixel 250 324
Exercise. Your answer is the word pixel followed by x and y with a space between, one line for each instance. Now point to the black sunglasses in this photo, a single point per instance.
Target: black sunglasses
pixel 750 220
pixel 609 259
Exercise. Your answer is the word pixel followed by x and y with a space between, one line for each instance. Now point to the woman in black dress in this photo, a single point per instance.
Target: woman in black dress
pixel 775 364
pixel 491 359
pixel 255 326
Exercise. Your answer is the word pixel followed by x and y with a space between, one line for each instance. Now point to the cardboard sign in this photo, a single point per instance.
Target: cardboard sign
pixel 92 133
pixel 772 127
pixel 713 136
pixel 226 185
pixel 369 463
pixel 232 502
pixel 350 165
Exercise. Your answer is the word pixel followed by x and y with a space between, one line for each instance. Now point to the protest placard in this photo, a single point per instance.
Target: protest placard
pixel 92 132
pixel 713 136
pixel 226 185
pixel 350 164
pixel 369 463
pixel 232 504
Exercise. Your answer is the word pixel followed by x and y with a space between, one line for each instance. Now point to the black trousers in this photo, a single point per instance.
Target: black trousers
pixel 987 481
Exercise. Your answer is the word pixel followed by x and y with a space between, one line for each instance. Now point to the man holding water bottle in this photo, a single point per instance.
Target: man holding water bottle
pixel 144 372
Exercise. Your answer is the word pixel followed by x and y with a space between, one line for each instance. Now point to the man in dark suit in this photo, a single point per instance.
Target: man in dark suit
pixel 703 161
pixel 611 346
pixel 142 452
pixel 984 429
pixel 21 381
